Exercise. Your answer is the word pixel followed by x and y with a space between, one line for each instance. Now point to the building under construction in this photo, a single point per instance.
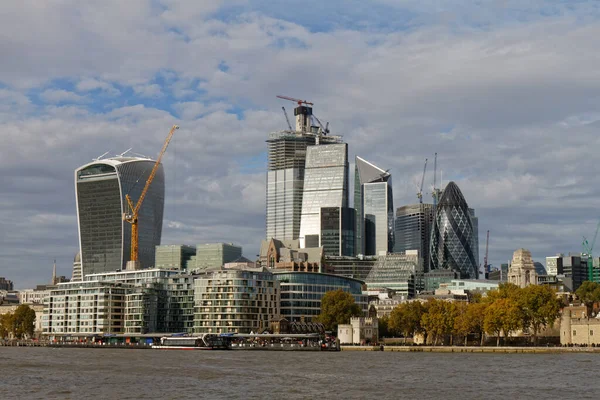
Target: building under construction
pixel 285 172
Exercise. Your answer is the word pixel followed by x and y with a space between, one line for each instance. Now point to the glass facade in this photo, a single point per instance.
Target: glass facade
pixel 301 293
pixel 285 181
pixel 395 271
pixel 104 238
pixel 337 231
pixel 374 205
pixel 214 255
pixel 452 238
pixel 413 230
pixel 325 185
pixel 174 256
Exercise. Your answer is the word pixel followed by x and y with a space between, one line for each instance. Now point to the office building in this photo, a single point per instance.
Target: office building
pixel 77 275
pixel 554 265
pixel 287 152
pixel 351 267
pixel 452 238
pixel 173 256
pixel 396 271
pixel 436 277
pixel 475 223
pixel 522 271
pixel 337 231
pixel 325 185
pixel 235 301
pixel 301 293
pixel 413 230
pixel 213 256
pixel 374 205
pixel 104 238
pixel 575 270
pixel 6 284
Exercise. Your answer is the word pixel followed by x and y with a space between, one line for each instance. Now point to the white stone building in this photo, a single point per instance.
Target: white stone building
pixel 521 271
pixel 360 330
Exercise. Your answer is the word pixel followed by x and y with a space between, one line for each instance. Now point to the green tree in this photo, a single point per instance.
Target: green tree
pixel 476 317
pixel 540 307
pixel 502 316
pixel 24 321
pixel 589 293
pixel 337 307
pixel 437 321
pixel 405 319
pixel 462 324
pixel 6 325
pixel 384 323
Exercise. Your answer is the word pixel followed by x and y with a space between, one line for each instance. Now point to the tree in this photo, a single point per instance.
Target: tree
pixel 589 293
pixel 462 324
pixel 540 308
pixel 6 325
pixel 383 324
pixel 438 320
pixel 24 321
pixel 337 307
pixel 406 318
pixel 503 315
pixel 476 316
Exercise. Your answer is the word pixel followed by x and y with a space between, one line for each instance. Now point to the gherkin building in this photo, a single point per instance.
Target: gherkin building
pixel 452 237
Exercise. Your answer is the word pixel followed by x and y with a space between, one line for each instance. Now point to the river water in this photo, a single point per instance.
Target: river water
pixel 51 373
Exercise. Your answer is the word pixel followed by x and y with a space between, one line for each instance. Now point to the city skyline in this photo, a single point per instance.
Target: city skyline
pixel 493 92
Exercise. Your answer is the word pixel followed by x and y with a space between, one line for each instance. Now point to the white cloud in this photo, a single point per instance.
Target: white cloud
pixel 61 96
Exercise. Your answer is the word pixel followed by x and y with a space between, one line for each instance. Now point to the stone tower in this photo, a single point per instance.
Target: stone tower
pixel 522 271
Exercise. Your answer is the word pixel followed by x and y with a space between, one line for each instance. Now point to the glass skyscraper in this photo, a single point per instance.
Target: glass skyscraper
pixel 337 231
pixel 325 185
pixel 452 238
pixel 285 175
pixel 413 230
pixel 100 189
pixel 374 205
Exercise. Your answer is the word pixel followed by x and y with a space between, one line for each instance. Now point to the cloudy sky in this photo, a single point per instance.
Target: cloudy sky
pixel 506 91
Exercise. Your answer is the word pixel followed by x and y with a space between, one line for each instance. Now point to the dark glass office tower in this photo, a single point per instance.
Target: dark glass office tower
pixel 104 238
pixel 452 238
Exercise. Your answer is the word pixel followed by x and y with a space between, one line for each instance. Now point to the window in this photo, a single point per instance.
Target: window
pixel 574 333
pixel 591 332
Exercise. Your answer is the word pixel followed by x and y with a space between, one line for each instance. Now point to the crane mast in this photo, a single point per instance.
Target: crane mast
pixel 132 213
pixel 588 248
pixel 486 267
pixel 420 192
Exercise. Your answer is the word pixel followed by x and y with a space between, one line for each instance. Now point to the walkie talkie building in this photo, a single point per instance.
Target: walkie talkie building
pixel 104 238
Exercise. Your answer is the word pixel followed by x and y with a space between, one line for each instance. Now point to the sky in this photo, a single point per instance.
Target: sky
pixel 505 91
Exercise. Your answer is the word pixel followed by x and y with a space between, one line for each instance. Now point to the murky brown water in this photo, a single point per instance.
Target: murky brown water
pixel 47 373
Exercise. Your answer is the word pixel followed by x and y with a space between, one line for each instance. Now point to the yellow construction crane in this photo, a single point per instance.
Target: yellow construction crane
pixel 132 213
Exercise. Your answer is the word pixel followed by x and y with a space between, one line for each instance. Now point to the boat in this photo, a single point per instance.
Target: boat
pixel 204 342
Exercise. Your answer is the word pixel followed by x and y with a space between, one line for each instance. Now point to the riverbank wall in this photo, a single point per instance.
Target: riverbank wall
pixel 474 349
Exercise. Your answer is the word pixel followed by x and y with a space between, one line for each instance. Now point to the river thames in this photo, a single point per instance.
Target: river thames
pixel 51 373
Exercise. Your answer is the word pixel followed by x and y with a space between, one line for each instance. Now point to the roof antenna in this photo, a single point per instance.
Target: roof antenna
pixel 125 152
pixel 100 157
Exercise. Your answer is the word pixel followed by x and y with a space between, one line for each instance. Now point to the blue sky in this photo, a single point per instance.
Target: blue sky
pixel 505 91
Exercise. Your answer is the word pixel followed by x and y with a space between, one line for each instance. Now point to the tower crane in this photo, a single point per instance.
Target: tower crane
pixel 300 102
pixel 287 119
pixel 420 192
pixel 132 213
pixel 435 193
pixel 588 249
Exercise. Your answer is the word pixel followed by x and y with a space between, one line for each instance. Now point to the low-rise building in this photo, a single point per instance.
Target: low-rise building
pixel 173 256
pixel 39 315
pixel 213 256
pixel 351 267
pixel 6 284
pixel 576 328
pixel 301 293
pixel 287 255
pixel 33 296
pixel 360 330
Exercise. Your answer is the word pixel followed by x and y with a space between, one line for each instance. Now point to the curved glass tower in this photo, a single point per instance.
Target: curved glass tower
pixel 452 238
pixel 100 189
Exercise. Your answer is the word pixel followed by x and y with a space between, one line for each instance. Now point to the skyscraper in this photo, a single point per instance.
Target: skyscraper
pixel 285 174
pixel 100 189
pixel 413 230
pixel 452 239
pixel 325 185
pixel 374 205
